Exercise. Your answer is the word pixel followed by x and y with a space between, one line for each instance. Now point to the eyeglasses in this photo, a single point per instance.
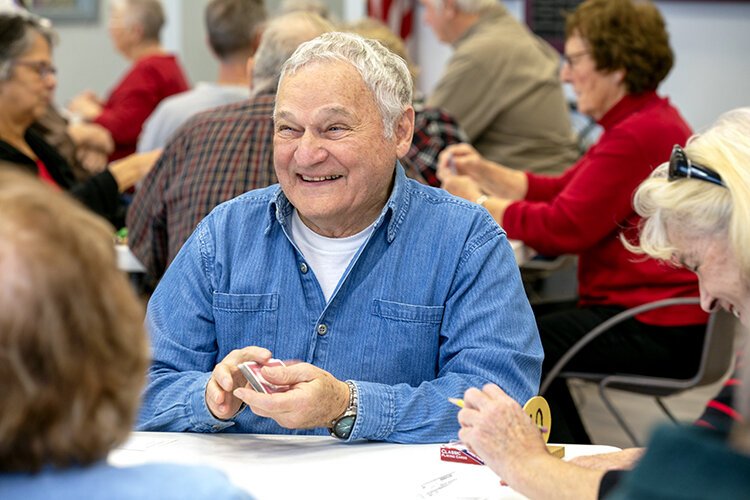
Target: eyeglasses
pixel 680 167
pixel 43 69
pixel 570 59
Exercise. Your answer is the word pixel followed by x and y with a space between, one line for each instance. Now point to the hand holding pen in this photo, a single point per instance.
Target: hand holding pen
pixel 497 429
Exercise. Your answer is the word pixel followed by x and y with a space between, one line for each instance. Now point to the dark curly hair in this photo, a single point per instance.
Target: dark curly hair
pixel 625 34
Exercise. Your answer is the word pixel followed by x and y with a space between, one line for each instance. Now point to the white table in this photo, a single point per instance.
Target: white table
pixel 317 467
pixel 522 252
pixel 126 261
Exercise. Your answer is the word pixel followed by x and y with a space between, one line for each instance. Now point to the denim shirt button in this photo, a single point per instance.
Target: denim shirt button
pixel 303 268
pixel 322 329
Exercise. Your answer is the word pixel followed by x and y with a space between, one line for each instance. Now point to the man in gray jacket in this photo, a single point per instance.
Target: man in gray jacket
pixel 502 85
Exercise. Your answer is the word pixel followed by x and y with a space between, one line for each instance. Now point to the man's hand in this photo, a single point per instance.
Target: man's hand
pixel 314 399
pixel 462 186
pixel 226 377
pixel 462 159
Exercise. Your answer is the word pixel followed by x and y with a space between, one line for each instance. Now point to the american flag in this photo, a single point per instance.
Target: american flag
pixel 397 14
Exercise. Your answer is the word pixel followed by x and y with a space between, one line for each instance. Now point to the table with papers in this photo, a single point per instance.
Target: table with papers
pixel 286 466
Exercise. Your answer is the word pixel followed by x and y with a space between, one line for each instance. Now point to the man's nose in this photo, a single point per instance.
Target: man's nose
pixel 310 150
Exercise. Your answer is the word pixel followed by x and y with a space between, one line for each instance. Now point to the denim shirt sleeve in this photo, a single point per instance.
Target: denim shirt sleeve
pixel 489 336
pixel 183 344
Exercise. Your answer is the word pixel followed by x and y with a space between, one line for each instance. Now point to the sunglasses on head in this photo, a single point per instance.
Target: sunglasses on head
pixel 680 167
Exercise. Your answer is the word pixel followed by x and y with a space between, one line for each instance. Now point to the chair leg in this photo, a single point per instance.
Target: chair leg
pixel 664 408
pixel 618 417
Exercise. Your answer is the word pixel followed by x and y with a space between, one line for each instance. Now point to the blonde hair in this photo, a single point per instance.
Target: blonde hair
pixel 73 351
pixel 699 208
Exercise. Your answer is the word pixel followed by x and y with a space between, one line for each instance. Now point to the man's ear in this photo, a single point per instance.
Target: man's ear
pixel 403 132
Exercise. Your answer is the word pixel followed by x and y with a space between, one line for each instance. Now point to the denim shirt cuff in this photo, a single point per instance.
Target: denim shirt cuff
pixel 201 418
pixel 375 412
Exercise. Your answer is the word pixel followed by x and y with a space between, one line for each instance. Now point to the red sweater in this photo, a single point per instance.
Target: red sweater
pixel 584 210
pixel 135 97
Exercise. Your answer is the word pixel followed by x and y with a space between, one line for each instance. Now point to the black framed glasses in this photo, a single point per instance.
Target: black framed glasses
pixel 680 167
pixel 42 68
pixel 570 59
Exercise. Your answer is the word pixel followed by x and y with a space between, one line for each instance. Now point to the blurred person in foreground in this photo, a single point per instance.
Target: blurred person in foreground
pixel 27 84
pixel 617 53
pixel 327 270
pixel 73 358
pixel 696 214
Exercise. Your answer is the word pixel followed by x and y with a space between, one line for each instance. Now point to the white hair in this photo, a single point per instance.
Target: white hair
pixel 699 208
pixel 383 72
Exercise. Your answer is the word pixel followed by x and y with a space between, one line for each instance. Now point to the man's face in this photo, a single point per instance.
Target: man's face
pixel 332 159
pixel 437 19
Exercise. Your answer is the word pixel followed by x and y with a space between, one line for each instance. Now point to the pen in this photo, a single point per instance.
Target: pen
pixel 457 401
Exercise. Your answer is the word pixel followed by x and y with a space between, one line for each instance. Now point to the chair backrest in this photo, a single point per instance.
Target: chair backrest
pixel 718 348
pixel 716 356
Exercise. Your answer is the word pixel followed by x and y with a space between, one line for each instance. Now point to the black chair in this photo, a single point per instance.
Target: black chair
pixel 716 360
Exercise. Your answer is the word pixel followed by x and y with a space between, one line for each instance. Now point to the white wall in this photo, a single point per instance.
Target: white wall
pixel 711 41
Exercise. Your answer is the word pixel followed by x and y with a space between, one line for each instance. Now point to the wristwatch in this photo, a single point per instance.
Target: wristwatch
pixel 341 426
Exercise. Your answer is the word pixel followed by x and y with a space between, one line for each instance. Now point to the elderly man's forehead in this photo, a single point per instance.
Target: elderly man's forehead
pixel 339 66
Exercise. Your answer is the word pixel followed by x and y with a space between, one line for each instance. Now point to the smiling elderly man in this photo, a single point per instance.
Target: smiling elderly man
pixel 383 296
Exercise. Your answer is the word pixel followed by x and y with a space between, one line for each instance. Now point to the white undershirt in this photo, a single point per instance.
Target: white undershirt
pixel 327 257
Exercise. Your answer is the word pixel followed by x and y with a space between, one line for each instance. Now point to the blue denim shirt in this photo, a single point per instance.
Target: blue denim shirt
pixel 101 481
pixel 431 305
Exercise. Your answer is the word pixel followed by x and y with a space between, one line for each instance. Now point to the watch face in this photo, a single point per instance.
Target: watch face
pixel 343 427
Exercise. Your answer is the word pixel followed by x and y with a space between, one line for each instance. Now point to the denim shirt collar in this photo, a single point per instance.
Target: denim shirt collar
pixel 397 206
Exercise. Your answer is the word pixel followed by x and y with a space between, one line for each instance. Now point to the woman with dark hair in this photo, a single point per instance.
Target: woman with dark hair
pixel 617 53
pixel 27 83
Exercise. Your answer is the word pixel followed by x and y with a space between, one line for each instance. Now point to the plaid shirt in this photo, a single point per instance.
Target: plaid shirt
pixel 434 130
pixel 216 156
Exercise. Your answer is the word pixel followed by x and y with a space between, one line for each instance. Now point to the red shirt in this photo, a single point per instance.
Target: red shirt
pixel 44 174
pixel 584 210
pixel 135 97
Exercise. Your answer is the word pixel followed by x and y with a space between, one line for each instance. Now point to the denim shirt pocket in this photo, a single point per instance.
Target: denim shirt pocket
pixel 408 337
pixel 245 320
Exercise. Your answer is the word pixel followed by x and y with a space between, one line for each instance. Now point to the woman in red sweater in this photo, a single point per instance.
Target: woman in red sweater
pixel 134 27
pixel 616 54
